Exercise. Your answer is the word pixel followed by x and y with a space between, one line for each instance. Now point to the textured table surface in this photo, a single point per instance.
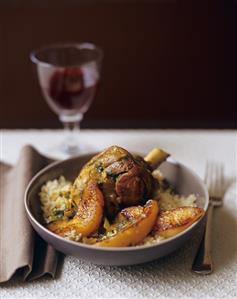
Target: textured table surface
pixel 169 277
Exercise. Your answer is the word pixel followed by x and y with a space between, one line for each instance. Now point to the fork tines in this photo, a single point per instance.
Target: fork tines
pixel 214 179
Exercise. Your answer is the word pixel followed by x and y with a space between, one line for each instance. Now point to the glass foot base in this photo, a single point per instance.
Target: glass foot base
pixel 62 152
pixel 71 150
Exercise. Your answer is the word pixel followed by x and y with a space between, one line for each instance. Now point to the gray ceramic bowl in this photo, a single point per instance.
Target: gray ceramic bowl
pixel 183 179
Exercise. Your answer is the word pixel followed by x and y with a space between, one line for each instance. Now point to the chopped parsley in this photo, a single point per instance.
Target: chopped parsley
pixel 99 168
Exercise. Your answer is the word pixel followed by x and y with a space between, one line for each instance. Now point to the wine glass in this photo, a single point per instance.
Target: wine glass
pixel 68 75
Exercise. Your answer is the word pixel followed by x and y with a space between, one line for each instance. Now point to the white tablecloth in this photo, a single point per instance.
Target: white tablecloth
pixel 169 277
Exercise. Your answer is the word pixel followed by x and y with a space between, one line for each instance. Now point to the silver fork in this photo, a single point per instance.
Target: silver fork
pixel 214 179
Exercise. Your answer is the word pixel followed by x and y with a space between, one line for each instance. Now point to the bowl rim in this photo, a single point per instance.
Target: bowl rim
pixel 113 249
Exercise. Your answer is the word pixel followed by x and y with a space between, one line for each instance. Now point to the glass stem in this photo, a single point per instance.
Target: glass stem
pixel 71 126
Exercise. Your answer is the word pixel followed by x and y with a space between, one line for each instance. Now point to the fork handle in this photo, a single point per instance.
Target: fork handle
pixel 203 260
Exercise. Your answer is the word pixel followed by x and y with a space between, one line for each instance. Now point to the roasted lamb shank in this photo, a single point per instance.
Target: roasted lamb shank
pixel 124 179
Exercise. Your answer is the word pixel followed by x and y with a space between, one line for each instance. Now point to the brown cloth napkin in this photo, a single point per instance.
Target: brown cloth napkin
pixel 21 249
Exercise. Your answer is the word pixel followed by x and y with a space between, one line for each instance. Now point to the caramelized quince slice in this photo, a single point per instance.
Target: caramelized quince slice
pixel 132 225
pixel 88 216
pixel 172 222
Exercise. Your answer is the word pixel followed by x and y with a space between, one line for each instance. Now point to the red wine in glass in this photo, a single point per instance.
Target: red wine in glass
pixel 70 90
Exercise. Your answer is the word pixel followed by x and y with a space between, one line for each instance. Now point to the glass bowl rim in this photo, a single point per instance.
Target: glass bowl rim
pixel 79 45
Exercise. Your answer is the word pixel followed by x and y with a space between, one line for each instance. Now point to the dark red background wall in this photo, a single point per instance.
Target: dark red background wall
pixel 168 63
